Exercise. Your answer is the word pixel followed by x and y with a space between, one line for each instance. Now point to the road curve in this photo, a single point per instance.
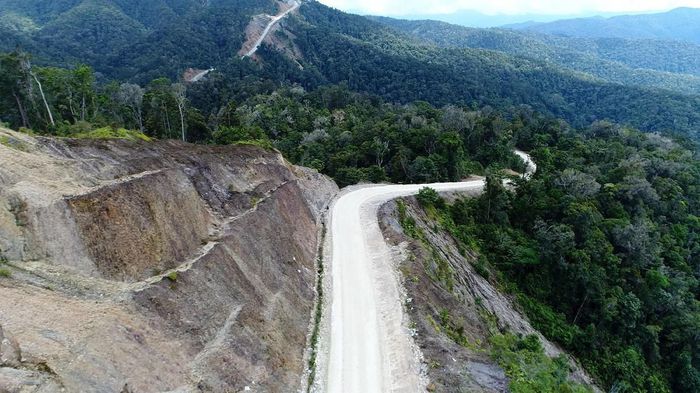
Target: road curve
pixel 269 26
pixel 371 349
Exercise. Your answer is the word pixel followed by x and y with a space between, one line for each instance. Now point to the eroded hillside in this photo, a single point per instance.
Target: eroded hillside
pixel 158 266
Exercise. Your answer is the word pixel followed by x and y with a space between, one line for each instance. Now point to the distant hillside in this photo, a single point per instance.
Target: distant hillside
pixel 651 63
pixel 682 24
pixel 370 57
pixel 123 38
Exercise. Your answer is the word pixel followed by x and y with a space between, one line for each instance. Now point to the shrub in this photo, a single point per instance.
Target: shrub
pixel 550 323
pixel 429 197
pixel 407 222
pixel 529 369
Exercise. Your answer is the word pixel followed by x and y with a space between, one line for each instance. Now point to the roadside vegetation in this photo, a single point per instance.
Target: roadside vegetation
pixel 529 369
pixel 600 249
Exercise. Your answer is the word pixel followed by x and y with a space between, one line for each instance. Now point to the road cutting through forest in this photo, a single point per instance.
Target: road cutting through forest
pixel 371 349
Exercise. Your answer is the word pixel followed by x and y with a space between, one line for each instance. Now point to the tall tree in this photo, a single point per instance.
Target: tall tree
pixel 180 94
pixel 131 96
pixel 14 82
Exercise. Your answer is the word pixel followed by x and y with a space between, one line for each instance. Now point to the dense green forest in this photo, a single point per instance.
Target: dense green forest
pixel 649 63
pixel 127 41
pixel 350 136
pixel 378 60
pixel 601 249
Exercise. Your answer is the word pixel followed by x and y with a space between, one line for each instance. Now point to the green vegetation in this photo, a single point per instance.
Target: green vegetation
pixel 126 40
pixel 407 222
pixel 172 276
pixel 529 369
pixel 602 249
pixel 373 58
pixel 428 197
pixel 677 24
pixel 453 330
pixel 649 63
pixel 13 143
pixel 112 133
pixel 4 272
pixel 129 39
pixel 318 310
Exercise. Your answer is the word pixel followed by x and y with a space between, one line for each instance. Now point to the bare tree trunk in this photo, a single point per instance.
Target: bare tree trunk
pixel 139 118
pixel 579 309
pixel 43 97
pixel 70 102
pixel 179 92
pixel 182 121
pixel 82 109
pixel 22 111
pixel 167 123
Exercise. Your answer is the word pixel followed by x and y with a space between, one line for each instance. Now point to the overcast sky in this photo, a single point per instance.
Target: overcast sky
pixel 508 7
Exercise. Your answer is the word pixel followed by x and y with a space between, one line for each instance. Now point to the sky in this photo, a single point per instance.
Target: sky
pixel 507 7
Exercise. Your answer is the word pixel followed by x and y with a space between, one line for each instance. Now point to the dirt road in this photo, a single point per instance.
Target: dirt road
pixel 371 349
pixel 269 26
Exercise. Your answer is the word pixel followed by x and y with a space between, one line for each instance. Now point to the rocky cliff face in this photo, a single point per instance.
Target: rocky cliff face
pixel 153 267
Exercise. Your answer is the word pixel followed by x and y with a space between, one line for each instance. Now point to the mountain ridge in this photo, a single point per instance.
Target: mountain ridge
pixel 679 24
pixel 674 65
pixel 376 59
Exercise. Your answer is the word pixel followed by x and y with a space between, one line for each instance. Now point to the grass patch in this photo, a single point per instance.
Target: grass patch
pixel 5 273
pixel 113 133
pixel 172 276
pixel 13 143
pixel 550 323
pixel 407 222
pixel 263 143
pixel 440 270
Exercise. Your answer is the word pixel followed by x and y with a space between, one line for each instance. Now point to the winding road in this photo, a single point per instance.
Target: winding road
pixel 371 349
pixel 275 19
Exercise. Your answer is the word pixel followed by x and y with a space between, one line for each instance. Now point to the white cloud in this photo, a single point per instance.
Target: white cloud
pixel 508 7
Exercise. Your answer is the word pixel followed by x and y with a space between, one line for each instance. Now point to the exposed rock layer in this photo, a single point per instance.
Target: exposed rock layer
pixel 156 266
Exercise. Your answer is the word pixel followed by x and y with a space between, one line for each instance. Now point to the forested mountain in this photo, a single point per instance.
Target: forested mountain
pixel 123 40
pixel 651 63
pixel 129 38
pixel 679 24
pixel 376 59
